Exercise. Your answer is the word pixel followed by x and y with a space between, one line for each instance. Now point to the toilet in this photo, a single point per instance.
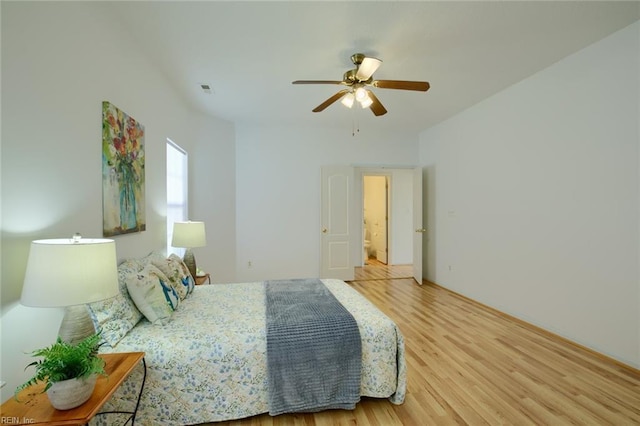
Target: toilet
pixel 365 254
pixel 366 246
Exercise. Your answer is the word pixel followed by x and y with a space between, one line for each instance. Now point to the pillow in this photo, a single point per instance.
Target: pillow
pixel 154 257
pixel 153 296
pixel 114 317
pixel 172 267
pixel 186 279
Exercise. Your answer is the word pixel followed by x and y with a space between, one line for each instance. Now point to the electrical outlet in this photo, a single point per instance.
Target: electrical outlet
pixel 2 383
pixel 249 264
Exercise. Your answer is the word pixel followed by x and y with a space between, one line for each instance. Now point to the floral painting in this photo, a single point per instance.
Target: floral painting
pixel 123 202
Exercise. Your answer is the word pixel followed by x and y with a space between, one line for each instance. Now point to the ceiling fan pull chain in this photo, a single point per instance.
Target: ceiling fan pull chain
pixel 355 124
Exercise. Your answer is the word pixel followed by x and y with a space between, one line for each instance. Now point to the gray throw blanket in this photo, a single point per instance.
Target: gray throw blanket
pixel 314 353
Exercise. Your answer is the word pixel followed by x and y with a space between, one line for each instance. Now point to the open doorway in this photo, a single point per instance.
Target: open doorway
pixel 375 212
pixel 387 223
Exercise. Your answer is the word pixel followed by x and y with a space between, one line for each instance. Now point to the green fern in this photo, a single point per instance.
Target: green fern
pixel 63 361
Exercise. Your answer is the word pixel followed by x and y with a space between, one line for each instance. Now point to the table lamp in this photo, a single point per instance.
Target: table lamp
pixel 189 235
pixel 70 273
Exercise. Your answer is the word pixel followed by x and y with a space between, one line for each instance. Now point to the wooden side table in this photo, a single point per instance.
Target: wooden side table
pixel 201 279
pixel 33 406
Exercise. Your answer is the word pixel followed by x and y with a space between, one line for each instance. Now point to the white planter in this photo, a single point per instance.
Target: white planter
pixel 71 393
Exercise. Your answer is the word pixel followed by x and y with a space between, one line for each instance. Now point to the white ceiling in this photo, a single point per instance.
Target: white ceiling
pixel 250 52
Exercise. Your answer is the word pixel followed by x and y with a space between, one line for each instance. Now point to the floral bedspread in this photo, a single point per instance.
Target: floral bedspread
pixel 209 362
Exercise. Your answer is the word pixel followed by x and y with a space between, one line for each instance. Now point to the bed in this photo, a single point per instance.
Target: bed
pixel 208 361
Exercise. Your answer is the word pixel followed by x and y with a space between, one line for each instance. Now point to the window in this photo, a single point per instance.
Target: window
pixel 177 191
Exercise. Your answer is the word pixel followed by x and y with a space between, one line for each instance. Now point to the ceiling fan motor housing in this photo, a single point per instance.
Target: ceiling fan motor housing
pixel 349 77
pixel 357 58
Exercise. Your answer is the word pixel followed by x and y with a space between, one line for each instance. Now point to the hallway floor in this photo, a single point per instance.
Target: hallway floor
pixel 376 270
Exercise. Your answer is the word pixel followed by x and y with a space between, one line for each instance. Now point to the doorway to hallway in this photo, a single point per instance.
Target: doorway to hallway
pixel 403 223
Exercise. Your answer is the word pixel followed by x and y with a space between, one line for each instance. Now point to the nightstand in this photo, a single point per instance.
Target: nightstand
pixel 34 407
pixel 201 279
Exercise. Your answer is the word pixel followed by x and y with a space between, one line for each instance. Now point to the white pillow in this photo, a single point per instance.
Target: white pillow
pixel 153 295
pixel 173 268
pixel 187 281
pixel 115 317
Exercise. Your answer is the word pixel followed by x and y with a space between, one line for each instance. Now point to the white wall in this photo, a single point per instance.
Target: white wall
pixel 533 196
pixel 637 29
pixel 59 62
pixel 212 195
pixel 278 191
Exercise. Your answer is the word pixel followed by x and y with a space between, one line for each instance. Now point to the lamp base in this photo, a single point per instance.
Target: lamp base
pixel 190 260
pixel 76 324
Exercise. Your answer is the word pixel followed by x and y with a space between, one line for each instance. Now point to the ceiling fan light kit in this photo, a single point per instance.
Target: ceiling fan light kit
pixel 358 80
pixel 366 102
pixel 361 94
pixel 348 99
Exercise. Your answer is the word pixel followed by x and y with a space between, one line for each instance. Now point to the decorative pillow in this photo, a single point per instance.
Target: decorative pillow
pixel 153 296
pixel 186 279
pixel 172 267
pixel 155 257
pixel 116 316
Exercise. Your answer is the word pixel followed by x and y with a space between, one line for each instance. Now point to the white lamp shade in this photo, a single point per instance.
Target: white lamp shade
pixel 361 94
pixel 366 102
pixel 189 234
pixel 66 272
pixel 347 100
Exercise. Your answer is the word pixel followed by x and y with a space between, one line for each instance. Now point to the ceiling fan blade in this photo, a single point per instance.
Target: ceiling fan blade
pixel 331 100
pixel 421 86
pixel 367 68
pixel 376 107
pixel 317 82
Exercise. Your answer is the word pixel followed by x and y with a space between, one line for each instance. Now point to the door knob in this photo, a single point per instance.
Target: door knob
pixel 324 230
pixel 421 230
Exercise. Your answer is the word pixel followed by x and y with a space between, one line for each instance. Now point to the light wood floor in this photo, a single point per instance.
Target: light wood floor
pixel 468 364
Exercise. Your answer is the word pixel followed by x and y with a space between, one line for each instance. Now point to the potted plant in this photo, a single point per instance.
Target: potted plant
pixel 69 371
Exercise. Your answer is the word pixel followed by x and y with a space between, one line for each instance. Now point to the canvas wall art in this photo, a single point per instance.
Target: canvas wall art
pixel 123 183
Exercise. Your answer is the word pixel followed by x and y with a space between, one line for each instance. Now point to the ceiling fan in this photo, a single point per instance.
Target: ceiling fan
pixel 358 82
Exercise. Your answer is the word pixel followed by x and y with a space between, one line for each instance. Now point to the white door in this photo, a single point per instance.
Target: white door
pixel 338 233
pixel 417 225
